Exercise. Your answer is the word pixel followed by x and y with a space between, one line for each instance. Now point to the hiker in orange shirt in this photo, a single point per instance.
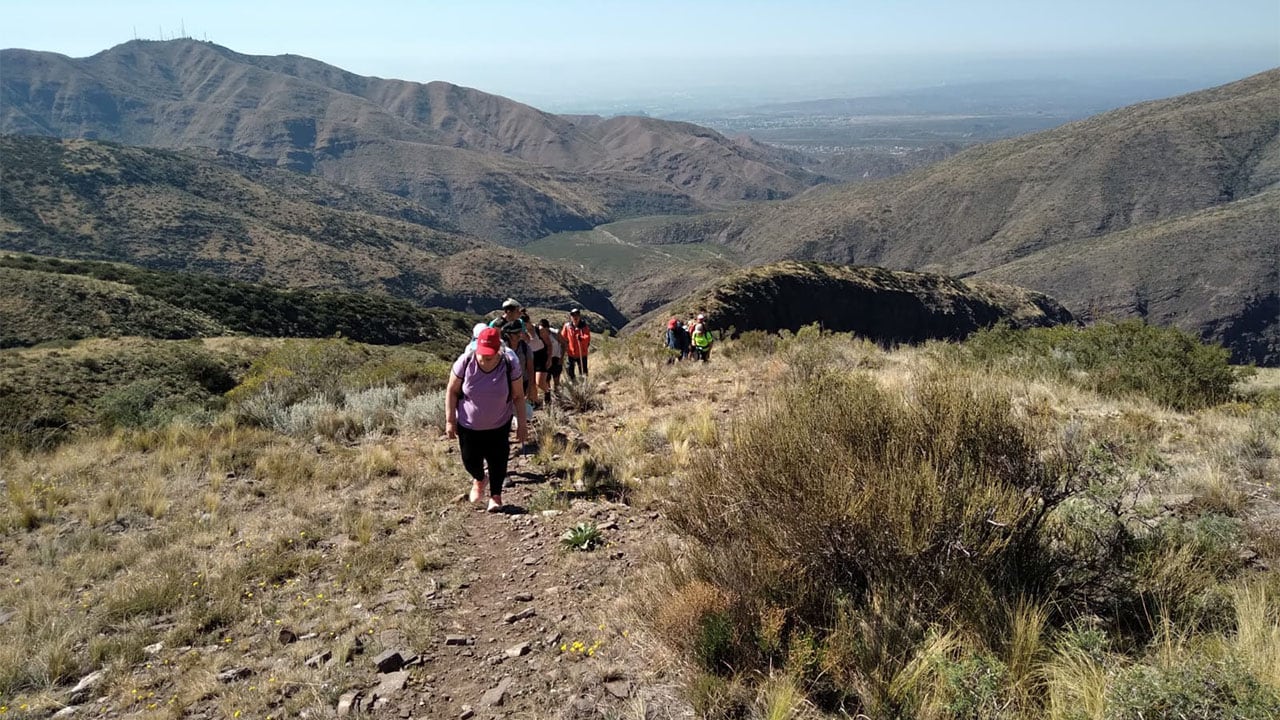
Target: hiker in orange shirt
pixel 577 342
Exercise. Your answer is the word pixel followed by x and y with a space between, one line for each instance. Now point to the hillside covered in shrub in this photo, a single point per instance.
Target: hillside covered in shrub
pixel 886 306
pixel 67 300
pixel 216 214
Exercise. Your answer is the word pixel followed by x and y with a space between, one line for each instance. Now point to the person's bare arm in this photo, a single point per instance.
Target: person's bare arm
pixel 522 423
pixel 451 395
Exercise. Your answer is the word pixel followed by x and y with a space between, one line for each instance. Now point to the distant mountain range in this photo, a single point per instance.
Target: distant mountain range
pixel 213 212
pixel 1167 210
pixel 490 166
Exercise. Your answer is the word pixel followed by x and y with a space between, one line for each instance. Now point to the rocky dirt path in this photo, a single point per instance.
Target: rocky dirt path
pixel 525 628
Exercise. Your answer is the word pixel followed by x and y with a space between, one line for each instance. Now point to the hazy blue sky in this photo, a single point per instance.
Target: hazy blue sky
pixel 549 48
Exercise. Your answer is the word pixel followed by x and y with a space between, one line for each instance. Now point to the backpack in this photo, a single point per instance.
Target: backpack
pixel 682 336
pixel 470 355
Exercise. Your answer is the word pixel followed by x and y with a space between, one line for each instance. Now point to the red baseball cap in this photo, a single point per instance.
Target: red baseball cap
pixel 489 342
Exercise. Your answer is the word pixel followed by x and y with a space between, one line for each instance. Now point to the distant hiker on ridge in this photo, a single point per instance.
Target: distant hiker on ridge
pixel 533 385
pixel 514 336
pixel 677 341
pixel 555 362
pixel 702 341
pixel 577 342
pixel 550 355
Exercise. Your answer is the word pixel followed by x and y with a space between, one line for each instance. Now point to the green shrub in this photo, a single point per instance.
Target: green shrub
pixel 1195 688
pixel 140 404
pixel 713 644
pixel 417 371
pixel 584 536
pixel 639 350
pixel 299 369
pixel 871 516
pixel 973 687
pixel 752 343
pixel 1164 364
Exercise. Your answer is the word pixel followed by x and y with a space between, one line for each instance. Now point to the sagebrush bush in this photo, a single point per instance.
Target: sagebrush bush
pixel 1164 364
pixel 424 411
pixel 376 409
pixel 870 516
pixel 303 417
pixel 1194 688
pixel 341 390
pixel 299 369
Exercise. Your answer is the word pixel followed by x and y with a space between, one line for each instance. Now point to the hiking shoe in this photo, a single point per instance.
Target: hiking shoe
pixel 495 503
pixel 477 491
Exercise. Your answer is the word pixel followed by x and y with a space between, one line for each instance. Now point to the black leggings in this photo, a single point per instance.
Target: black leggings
pixel 480 446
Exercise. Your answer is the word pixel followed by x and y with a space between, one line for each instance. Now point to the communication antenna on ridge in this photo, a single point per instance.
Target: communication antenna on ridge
pixel 183 25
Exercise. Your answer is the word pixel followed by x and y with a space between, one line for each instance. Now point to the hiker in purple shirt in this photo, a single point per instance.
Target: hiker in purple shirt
pixel 486 390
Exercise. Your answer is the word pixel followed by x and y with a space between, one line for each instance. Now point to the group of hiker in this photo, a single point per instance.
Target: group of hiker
pixel 689 341
pixel 510 367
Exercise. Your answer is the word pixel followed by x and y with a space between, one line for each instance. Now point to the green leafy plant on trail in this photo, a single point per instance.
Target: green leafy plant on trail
pixel 584 536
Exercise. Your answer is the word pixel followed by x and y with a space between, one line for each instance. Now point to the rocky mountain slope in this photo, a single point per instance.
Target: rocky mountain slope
pixel 495 167
pixel 1218 275
pixel 886 306
pixel 1065 192
pixel 200 212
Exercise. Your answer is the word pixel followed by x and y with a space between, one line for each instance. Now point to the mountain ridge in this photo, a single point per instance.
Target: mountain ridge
pixel 170 210
pixel 451 148
pixel 885 306
pixel 1073 186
